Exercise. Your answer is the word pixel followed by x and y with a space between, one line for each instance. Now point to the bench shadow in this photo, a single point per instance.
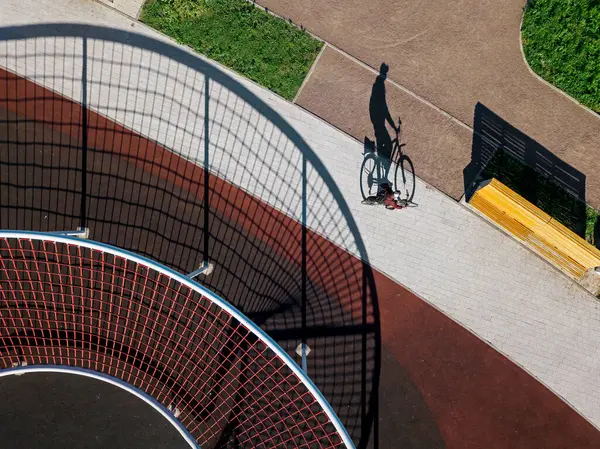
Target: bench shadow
pixel 504 152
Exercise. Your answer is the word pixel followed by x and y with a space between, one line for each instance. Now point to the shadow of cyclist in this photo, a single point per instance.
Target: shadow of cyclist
pixel 379 113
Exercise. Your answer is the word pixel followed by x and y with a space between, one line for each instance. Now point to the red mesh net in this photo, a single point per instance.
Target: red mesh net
pixel 67 304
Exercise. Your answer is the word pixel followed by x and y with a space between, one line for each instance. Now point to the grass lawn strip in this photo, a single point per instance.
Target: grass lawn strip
pixel 561 41
pixel 259 46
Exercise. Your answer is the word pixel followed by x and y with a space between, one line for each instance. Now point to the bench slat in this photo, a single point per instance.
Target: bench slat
pixel 535 228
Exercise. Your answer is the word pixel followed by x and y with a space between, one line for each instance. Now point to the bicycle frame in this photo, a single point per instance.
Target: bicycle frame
pixel 396 145
pixel 380 166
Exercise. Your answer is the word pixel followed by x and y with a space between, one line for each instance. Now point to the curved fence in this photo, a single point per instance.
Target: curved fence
pixel 76 303
pixel 159 152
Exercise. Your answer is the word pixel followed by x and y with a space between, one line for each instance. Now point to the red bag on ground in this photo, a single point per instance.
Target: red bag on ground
pixel 390 202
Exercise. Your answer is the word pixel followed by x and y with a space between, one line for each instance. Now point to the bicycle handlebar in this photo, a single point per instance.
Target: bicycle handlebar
pixel 399 127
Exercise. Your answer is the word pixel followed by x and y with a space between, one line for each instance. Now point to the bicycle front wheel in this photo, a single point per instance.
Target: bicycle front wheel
pixel 368 177
pixel 404 178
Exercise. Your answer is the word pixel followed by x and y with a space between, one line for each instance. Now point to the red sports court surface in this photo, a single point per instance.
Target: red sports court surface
pixel 441 387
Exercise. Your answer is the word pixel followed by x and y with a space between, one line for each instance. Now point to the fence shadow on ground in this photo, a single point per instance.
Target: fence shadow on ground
pixel 502 151
pixel 163 154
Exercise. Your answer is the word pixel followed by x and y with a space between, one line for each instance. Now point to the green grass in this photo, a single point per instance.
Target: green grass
pixel 235 33
pixel 561 41
pixel 591 226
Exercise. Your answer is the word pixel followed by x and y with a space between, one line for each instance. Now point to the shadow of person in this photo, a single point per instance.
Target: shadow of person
pixel 380 114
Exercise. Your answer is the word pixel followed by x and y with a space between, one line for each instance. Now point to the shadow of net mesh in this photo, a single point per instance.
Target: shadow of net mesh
pixel 163 154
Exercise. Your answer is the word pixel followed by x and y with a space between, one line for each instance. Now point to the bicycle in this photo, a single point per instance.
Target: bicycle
pixel 374 173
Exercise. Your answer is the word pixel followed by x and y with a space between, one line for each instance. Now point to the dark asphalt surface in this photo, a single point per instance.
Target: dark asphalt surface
pixel 60 411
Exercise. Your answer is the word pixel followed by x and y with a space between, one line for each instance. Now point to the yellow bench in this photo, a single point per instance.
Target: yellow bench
pixel 536 229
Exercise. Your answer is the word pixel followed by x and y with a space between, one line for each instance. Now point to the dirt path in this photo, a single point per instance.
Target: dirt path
pixel 439 146
pixel 453 55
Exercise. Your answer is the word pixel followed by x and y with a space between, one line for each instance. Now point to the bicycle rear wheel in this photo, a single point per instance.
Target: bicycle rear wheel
pixel 404 178
pixel 368 176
